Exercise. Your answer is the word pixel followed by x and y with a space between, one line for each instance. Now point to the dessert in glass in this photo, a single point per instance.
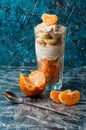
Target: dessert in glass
pixel 50 46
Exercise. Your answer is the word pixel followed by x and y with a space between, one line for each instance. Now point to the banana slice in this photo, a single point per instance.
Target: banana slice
pixel 56 35
pixel 50 41
pixel 60 41
pixel 43 34
pixel 40 41
pixel 59 37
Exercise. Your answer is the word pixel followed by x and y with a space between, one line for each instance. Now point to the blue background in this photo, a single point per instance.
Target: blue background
pixel 17 21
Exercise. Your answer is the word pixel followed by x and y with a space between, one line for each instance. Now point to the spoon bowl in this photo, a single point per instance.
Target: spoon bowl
pixel 12 97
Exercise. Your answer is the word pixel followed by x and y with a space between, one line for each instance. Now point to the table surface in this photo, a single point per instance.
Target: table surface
pixel 26 117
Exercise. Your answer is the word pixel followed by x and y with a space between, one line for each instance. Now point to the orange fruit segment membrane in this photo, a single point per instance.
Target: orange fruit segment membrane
pixel 51 69
pixel 70 98
pixel 34 84
pixel 49 19
pixel 54 95
pixel 38 78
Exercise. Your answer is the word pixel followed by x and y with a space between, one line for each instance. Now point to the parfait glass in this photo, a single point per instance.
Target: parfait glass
pixel 50 48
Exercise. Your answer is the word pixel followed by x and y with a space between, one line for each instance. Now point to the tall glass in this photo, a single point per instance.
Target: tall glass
pixel 50 46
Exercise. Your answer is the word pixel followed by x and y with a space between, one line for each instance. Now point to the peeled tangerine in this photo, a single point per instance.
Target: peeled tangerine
pixel 49 19
pixel 34 84
pixel 54 95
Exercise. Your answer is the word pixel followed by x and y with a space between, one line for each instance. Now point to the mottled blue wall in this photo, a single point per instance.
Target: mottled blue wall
pixel 17 21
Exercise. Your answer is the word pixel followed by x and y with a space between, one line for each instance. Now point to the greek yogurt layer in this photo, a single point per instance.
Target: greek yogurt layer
pixel 49 52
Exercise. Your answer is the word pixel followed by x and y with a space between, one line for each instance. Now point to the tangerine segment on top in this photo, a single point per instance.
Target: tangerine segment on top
pixel 49 19
pixel 54 95
pixel 32 85
pixel 70 98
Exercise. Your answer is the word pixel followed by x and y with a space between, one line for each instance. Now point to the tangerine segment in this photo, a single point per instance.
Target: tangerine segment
pixel 31 87
pixel 54 95
pixel 49 19
pixel 70 98
pixel 66 91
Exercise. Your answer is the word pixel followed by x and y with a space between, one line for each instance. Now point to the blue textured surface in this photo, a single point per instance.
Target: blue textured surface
pixel 26 117
pixel 17 21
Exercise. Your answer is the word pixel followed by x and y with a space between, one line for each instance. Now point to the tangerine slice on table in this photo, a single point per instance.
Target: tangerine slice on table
pixel 49 19
pixel 54 95
pixel 70 98
pixel 34 84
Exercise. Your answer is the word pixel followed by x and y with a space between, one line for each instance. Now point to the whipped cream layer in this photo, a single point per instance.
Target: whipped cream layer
pixel 51 28
pixel 49 52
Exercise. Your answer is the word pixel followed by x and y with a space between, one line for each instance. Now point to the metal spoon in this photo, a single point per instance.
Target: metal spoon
pixel 13 98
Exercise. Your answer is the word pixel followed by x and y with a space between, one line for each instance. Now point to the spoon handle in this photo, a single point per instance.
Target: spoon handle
pixel 47 108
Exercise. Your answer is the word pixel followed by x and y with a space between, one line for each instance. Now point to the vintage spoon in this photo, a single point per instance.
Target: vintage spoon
pixel 13 98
